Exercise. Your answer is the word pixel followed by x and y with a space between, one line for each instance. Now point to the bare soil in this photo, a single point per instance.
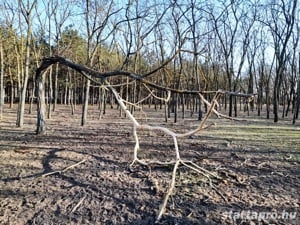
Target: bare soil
pixel 257 161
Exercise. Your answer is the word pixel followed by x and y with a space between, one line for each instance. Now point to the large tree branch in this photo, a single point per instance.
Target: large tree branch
pixel 90 74
pixel 93 75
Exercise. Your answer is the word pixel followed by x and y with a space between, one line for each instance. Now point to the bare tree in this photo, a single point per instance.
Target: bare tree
pixel 281 23
pixel 97 21
pixel 297 98
pixel 233 26
pixel 2 93
pixel 26 10
pixel 292 63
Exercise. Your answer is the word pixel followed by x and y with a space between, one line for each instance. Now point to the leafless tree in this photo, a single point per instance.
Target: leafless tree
pixel 2 93
pixel 97 15
pixel 26 11
pixel 233 26
pixel 280 21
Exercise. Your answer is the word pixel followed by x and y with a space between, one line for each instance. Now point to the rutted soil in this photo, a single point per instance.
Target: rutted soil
pixel 102 189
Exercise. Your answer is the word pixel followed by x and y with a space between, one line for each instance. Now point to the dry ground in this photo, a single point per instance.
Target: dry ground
pixel 257 160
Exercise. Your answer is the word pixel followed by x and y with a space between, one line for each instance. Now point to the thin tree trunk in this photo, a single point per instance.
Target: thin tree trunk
pixel 283 103
pixel 12 89
pixel 183 106
pixel 31 98
pixel 101 102
pixel 277 85
pixel 50 93
pixel 66 89
pixel 41 106
pixel 21 109
pixel 200 110
pixel 166 111
pixel 55 87
pixel 289 99
pixel 297 106
pixel 1 80
pixel 175 107
pixel 72 100
pixel 85 103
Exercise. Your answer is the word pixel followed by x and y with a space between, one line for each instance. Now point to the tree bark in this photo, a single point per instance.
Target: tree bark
pixel 27 16
pixel 297 106
pixel 50 93
pixel 55 87
pixel 1 80
pixel 41 106
pixel 85 102
pixel 2 93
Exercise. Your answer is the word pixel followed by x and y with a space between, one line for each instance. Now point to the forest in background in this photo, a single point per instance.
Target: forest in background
pixel 239 46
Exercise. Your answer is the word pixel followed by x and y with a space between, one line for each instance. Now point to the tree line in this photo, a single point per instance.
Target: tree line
pixel 238 46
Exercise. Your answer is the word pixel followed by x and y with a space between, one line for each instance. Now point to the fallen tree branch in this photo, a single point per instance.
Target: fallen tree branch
pixel 137 126
pixel 78 204
pixel 92 75
pixel 64 170
pixel 168 194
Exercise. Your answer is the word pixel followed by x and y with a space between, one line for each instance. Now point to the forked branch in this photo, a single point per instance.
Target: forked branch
pixel 100 78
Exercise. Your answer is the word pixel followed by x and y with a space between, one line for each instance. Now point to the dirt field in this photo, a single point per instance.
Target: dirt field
pixel 257 160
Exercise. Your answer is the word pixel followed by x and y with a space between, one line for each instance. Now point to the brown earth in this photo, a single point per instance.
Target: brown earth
pixel 257 177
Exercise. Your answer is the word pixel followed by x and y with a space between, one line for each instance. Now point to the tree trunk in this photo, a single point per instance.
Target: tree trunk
pixel 283 103
pixel 55 87
pixel 200 110
pixel 50 93
pixel 175 107
pixel 183 106
pixel 101 102
pixel 276 91
pixel 21 108
pixel 166 111
pixel 1 80
pixel 289 98
pixel 268 101
pixel 235 106
pixel 12 89
pixel 31 99
pixel 297 105
pixel 41 106
pixel 85 103
pixel 66 89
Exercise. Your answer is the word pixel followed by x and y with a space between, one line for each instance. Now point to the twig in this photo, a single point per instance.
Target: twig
pixel 218 192
pixel 76 164
pixel 172 185
pixel 64 170
pixel 205 172
pixel 200 169
pixel 78 204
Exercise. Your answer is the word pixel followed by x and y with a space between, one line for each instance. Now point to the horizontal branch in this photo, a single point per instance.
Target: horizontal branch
pixel 90 73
